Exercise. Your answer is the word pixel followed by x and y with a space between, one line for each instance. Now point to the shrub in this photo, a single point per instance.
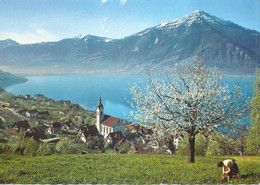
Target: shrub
pixel 45 149
pixel 221 145
pixel 2 125
pixel 109 151
pixel 106 145
pixel 95 142
pixel 124 147
pixel 4 148
pixel 67 146
pixel 19 144
pixel 132 150
pixel 30 147
pixel 201 146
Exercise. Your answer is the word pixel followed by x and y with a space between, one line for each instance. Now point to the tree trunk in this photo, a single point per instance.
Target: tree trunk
pixel 191 156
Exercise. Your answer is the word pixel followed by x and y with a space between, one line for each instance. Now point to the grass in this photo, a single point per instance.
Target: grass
pixel 6 114
pixel 2 132
pixel 120 169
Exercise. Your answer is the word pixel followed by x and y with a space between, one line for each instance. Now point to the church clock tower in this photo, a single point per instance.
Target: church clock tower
pixel 100 115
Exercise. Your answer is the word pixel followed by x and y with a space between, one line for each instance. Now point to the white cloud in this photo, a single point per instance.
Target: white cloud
pixel 105 19
pixel 102 27
pixel 123 2
pixel 102 24
pixel 39 35
pixel 103 1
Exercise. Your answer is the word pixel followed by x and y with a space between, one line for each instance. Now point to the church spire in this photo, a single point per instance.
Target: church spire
pixel 100 115
pixel 100 105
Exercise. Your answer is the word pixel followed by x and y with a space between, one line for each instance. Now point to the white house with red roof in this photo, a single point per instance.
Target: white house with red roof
pixel 107 124
pixel 31 114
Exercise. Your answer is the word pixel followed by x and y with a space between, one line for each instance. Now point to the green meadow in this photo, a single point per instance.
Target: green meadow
pixel 121 169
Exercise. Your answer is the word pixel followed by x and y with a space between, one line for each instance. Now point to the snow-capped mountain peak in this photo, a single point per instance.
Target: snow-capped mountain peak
pixel 87 37
pixel 81 36
pixel 221 43
pixel 198 16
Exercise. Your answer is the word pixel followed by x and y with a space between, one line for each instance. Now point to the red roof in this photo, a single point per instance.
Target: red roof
pixel 37 129
pixel 44 113
pixel 38 95
pixel 88 130
pixel 116 136
pixel 36 132
pixel 109 121
pixel 179 134
pixel 140 129
pixel 32 111
pixel 56 124
pixel 21 124
pixel 69 123
pixel 11 131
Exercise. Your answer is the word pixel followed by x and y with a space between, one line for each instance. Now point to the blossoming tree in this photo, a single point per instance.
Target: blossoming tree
pixel 193 99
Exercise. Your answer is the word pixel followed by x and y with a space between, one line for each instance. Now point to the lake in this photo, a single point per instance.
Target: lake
pixel 86 89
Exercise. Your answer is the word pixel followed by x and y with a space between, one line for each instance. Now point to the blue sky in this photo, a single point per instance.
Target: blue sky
pixel 31 21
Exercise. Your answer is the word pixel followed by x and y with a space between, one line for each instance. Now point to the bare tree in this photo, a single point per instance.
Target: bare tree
pixel 193 99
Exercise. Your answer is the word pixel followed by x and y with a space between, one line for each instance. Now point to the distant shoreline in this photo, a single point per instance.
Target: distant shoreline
pixel 115 74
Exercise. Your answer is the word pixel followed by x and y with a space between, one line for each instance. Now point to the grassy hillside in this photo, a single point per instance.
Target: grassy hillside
pixel 121 169
pixel 53 107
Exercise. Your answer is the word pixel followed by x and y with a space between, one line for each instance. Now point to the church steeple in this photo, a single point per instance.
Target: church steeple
pixel 100 114
pixel 100 105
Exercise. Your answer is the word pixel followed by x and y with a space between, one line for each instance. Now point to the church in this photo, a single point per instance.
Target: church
pixel 107 124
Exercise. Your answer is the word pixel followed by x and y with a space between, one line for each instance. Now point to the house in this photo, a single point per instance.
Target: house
pixel 68 125
pixel 114 137
pixel 107 124
pixel 31 114
pixel 43 114
pixel 11 105
pixel 36 132
pixel 11 131
pixel 39 123
pixel 54 127
pixel 7 104
pixel 63 112
pixel 177 138
pixel 21 125
pixel 138 133
pixel 66 102
pixel 39 97
pixel 139 129
pixel 86 132
pixel 74 106
pixel 27 96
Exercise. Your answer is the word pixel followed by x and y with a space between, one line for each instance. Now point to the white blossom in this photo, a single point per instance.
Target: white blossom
pixel 192 98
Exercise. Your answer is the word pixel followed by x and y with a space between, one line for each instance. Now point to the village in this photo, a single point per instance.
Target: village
pixel 48 121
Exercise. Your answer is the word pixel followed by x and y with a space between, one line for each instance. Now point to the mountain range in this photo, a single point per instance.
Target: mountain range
pixel 224 44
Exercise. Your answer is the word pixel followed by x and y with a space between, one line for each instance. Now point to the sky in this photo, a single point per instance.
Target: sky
pixel 33 21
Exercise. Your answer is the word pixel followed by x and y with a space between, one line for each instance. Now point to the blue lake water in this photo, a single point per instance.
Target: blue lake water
pixel 86 89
